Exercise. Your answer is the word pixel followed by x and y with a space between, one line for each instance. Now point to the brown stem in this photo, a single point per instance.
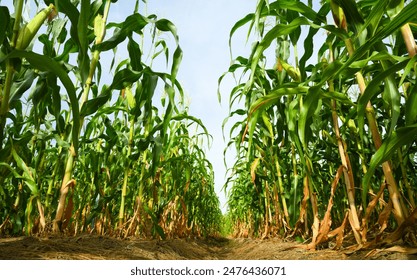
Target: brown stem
pixel 347 173
pixel 398 207
pixel 347 168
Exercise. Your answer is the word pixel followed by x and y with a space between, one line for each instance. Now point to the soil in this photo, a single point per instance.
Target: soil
pixel 94 247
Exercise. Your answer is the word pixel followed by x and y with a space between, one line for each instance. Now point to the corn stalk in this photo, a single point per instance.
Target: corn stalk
pixel 312 104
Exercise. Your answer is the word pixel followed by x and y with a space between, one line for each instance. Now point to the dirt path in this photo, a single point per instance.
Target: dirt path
pixel 87 247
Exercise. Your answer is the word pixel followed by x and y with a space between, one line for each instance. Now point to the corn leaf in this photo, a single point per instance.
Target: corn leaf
pixel 372 89
pixel 45 63
pixel 27 173
pixel 133 23
pixel 82 30
pixel 135 55
pixel 399 138
pixel 411 107
pixel 407 14
pixel 4 22
pixel 66 7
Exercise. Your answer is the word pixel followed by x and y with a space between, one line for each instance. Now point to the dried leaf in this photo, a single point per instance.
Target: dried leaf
pixel 339 232
pixel 67 213
pixel 396 249
pixel 398 233
pixel 355 231
pixel 316 225
pixel 402 249
pixel 327 220
pixel 384 216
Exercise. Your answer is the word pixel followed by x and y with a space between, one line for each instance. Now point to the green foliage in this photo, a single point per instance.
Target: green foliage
pixel 289 146
pixel 113 158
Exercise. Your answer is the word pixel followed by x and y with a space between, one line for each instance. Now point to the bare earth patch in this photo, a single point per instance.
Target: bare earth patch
pixel 93 247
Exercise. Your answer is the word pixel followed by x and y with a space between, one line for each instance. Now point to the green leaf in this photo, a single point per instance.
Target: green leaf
pixel 82 29
pixel 403 136
pixel 22 84
pixel 30 183
pixel 58 30
pixel 295 35
pixel 93 105
pixel 274 96
pixel 184 116
pixel 300 7
pixel 391 95
pixel 277 31
pixel 66 7
pixel 239 24
pixel 166 25
pixel 118 37
pixel 264 103
pixel 308 42
pixel 411 107
pixel 4 22
pixel 135 55
pixel 175 64
pixel 169 110
pixel 156 155
pixel 374 18
pixel 395 24
pixel 124 78
pixel 407 70
pixel 307 107
pixel 133 23
pixel 159 230
pixel 372 89
pixel 339 96
pixel 45 63
pixel 27 174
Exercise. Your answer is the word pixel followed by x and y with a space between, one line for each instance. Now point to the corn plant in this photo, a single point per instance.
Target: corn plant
pixel 325 141
pixel 79 153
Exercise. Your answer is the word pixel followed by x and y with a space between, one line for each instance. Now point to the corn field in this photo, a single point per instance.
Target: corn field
pixel 78 155
pixel 326 122
pixel 324 116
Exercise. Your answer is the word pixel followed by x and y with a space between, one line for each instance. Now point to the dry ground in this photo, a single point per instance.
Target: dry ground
pixel 87 247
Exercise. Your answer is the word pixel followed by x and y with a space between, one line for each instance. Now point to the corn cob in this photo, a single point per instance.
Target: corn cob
pixel 28 32
pixel 293 72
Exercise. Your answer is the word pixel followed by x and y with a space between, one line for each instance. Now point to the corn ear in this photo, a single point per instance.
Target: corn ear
pixel 293 72
pixel 28 32
pixel 338 15
pixel 99 28
pixel 130 98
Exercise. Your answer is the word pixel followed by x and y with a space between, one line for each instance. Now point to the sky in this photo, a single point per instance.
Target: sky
pixel 203 28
